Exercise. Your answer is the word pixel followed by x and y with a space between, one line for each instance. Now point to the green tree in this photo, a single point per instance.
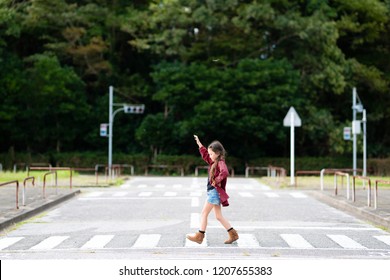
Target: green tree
pixel 54 110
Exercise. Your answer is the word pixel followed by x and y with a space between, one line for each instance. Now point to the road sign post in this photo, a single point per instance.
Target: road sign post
pixel 292 120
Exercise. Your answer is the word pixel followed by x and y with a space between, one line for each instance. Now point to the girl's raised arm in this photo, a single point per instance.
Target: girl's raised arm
pixel 197 141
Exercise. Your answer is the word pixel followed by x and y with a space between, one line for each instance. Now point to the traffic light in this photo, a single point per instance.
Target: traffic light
pixel 134 109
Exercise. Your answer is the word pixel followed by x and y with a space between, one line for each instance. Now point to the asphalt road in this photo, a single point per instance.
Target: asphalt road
pixel 149 217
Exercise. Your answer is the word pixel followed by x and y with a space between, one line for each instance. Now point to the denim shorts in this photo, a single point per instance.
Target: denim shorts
pixel 213 197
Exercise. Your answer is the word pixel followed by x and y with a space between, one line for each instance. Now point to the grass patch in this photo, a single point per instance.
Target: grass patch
pixel 314 182
pixel 63 179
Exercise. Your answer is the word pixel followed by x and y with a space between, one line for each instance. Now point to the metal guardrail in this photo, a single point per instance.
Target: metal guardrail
pixel 253 168
pixel 332 171
pixel 368 190
pixel 342 174
pixel 52 169
pixel 231 170
pixel 376 191
pixel 44 182
pixel 24 188
pixel 178 167
pixel 305 172
pixel 17 190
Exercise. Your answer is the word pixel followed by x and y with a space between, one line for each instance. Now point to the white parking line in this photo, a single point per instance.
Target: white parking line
pixel 49 243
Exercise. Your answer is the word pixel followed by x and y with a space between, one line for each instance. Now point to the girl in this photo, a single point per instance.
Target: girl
pixel 216 194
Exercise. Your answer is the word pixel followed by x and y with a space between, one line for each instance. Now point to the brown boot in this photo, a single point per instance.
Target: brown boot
pixel 233 236
pixel 197 237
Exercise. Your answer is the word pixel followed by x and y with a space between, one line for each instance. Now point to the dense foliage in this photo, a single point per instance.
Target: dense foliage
pixel 222 69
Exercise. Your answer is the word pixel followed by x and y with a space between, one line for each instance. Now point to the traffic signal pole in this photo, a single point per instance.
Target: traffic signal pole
pixel 110 123
pixel 128 109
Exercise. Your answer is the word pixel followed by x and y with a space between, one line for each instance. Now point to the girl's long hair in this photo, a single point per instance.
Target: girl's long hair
pixel 217 148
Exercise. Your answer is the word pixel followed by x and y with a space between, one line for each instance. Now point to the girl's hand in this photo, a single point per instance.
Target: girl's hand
pixel 197 141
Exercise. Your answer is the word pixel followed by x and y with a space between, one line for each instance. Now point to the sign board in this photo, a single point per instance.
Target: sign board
pixel 292 115
pixel 347 133
pixel 103 129
pixel 356 127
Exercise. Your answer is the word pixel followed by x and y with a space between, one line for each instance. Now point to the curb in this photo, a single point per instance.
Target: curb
pixel 30 213
pixel 353 210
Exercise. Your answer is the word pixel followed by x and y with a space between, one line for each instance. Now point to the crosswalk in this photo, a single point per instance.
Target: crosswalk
pixel 158 190
pixel 145 241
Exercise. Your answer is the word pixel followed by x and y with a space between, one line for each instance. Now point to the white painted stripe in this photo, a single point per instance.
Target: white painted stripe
pixel 141 186
pixel 245 194
pixel 177 186
pixel 142 197
pixel 159 186
pixel 248 187
pixel 145 194
pixel 170 194
pixel 194 202
pixel 384 238
pixel 118 194
pixel 94 194
pixel 49 243
pixel 298 195
pixel 271 194
pixel 97 242
pixel 8 241
pixel 261 185
pixel 346 242
pixel 247 241
pixel 147 241
pixel 196 194
pixel 195 218
pixel 194 244
pixel 300 228
pixel 296 241
pixel 232 187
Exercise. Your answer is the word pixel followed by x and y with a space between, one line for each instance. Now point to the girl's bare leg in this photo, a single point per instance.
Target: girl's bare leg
pixel 218 215
pixel 207 207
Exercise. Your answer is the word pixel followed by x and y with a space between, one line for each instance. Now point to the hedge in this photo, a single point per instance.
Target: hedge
pixel 377 167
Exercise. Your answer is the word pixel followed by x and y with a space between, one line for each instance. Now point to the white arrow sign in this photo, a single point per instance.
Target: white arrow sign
pixel 292 120
pixel 292 117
